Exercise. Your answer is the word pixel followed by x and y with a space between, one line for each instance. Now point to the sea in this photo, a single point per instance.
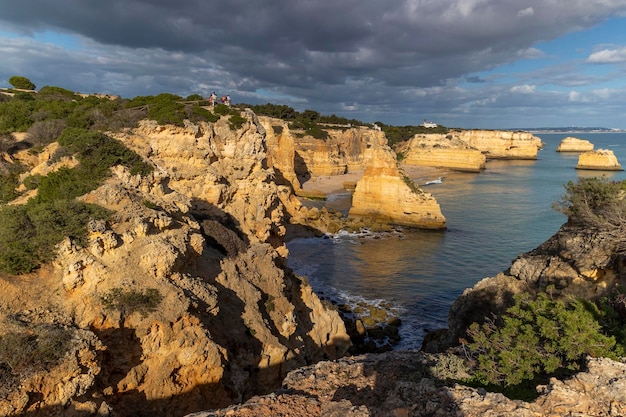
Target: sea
pixel 492 217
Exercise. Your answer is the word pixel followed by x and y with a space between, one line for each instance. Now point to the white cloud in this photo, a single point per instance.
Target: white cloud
pixel 608 56
pixel 523 89
pixel 529 11
pixel 574 96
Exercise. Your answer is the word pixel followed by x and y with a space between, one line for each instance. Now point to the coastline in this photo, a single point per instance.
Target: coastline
pixel 335 183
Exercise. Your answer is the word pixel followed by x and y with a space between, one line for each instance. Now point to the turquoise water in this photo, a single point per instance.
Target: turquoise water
pixel 492 217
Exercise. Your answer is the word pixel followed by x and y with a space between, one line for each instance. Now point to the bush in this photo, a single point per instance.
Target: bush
pixel 596 202
pixel 9 180
pixel 29 233
pixel 44 132
pixel 23 83
pixel 35 349
pixel 98 152
pixel 130 301
pixel 7 141
pixel 200 113
pixel 15 116
pixel 537 338
pixel 236 121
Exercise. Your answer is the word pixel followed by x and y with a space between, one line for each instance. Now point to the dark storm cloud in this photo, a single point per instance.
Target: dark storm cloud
pixel 339 54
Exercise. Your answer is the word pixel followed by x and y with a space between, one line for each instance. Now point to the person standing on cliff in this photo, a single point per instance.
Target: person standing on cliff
pixel 212 99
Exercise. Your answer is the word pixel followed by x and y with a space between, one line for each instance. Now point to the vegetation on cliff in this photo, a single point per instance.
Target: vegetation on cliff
pixel 547 334
pixel 538 337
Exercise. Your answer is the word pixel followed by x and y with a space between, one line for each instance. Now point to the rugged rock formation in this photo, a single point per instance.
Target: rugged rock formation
pixel 341 152
pixel 578 262
pixel 498 144
pixel 601 160
pixel 414 384
pixel 570 144
pixel 441 151
pixel 386 193
pixel 205 231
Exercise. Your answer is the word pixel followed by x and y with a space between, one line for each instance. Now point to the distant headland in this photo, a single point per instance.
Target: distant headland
pixel 571 129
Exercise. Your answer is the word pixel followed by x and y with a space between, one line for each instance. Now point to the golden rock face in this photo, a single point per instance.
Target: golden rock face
pixel 601 160
pixel 384 192
pixel 571 144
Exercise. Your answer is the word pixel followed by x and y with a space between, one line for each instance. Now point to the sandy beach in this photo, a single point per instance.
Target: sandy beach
pixel 335 183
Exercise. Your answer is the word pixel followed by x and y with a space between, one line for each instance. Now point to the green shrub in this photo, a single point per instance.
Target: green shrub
pixel 538 337
pixel 596 202
pixel 32 181
pixel 29 233
pixel 236 121
pixel 9 180
pixel 57 93
pixel 98 152
pixel 15 115
pixel 130 301
pixel 222 110
pixel 200 113
pixel 23 83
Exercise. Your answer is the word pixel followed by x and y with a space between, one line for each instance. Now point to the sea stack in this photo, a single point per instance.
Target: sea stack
pixel 570 144
pixel 601 160
pixel 386 194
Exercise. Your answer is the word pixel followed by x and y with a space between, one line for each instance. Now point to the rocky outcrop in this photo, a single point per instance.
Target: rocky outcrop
pixel 570 144
pixel 499 144
pixel 341 152
pixel 441 151
pixel 414 384
pixel 204 232
pixel 601 160
pixel 386 194
pixel 577 262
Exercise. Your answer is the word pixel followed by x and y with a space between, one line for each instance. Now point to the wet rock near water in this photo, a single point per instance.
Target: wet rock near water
pixel 371 327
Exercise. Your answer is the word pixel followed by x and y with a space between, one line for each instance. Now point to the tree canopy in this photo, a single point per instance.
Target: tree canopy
pixel 20 82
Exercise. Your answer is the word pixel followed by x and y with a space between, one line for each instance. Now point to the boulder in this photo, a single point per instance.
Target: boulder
pixel 600 160
pixel 571 144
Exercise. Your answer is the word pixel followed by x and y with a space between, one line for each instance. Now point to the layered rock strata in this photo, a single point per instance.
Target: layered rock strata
pixel 303 156
pixel 499 144
pixel 600 160
pixel 387 194
pixel 441 151
pixel 204 232
pixel 570 144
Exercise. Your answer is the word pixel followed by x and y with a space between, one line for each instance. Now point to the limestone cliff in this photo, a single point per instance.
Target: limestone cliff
pixel 570 144
pixel 498 144
pixel 386 193
pixel 601 160
pixel 441 151
pixel 341 152
pixel 205 232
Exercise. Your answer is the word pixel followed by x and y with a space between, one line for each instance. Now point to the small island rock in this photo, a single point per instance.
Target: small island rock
pixel 602 159
pixel 571 144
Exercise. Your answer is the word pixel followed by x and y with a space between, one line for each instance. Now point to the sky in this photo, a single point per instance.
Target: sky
pixel 492 64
